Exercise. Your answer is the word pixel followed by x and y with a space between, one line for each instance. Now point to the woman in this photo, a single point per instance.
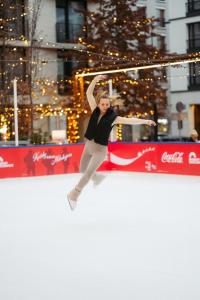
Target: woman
pixel 194 136
pixel 101 122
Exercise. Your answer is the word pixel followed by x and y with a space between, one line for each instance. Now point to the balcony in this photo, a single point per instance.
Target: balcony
pixel 69 33
pixel 193 45
pixel 192 8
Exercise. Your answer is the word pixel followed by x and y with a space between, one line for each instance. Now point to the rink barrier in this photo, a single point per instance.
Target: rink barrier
pixel 169 158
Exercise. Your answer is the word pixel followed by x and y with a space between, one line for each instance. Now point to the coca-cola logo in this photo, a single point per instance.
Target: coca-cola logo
pixel 174 158
pixel 127 161
pixel 193 159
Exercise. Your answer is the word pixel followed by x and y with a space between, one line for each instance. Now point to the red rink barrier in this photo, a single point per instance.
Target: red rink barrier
pixel 142 157
pixel 157 158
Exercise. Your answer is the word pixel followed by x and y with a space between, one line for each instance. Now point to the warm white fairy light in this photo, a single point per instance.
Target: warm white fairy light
pixel 139 68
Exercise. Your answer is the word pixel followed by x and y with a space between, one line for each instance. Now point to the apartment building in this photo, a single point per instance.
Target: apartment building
pixel 158 9
pixel 183 29
pixel 58 26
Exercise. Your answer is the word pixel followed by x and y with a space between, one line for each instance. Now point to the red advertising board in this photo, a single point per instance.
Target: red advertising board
pixel 139 157
pixel 36 161
pixel 157 158
pixel 179 159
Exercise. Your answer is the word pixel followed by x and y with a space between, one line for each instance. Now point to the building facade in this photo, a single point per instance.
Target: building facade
pixel 183 28
pixel 158 9
pixel 36 37
pixel 59 25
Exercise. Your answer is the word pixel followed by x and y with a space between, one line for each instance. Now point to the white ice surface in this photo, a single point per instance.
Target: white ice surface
pixel 135 237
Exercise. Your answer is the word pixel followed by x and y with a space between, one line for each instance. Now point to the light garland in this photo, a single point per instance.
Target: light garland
pixel 124 70
pixel 73 114
pixel 119 132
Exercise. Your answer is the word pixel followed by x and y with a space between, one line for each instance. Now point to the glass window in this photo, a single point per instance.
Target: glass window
pixel 195 74
pixel 194 36
pixel 70 20
pixel 194 30
pixel 60 14
pixel 75 19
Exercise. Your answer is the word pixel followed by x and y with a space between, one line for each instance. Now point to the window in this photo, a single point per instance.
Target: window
pixel 193 7
pixel 13 10
pixel 161 17
pixel 197 117
pixel 66 66
pixel 70 20
pixel 10 67
pixel 161 43
pixel 194 78
pixel 142 11
pixel 194 36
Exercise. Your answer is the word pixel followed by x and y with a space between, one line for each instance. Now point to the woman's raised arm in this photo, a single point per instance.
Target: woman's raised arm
pixel 90 91
pixel 133 121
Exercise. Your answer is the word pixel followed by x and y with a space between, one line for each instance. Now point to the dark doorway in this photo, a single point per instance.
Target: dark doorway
pixel 197 118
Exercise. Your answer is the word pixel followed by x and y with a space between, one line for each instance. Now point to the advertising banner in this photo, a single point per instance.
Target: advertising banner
pixel 139 157
pixel 36 161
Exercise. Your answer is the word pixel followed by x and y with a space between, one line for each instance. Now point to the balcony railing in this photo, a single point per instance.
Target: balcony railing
pixel 68 33
pixel 193 45
pixel 192 7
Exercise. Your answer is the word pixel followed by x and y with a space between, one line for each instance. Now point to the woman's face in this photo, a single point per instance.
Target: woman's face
pixel 103 105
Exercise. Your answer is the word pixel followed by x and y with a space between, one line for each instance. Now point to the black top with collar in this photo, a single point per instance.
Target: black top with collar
pixel 100 131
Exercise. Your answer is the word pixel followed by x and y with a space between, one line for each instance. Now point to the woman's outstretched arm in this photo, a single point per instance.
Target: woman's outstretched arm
pixel 133 121
pixel 90 91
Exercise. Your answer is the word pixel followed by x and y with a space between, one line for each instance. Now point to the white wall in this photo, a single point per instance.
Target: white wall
pixel 188 98
pixel 45 33
pixel 49 70
pixel 177 41
pixel 178 79
pixel 177 30
pixel 176 8
pixel 47 21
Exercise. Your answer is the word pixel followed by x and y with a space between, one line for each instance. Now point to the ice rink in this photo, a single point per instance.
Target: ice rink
pixel 134 237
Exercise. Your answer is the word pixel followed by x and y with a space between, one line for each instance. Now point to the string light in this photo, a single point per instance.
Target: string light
pixel 46 87
pixel 152 66
pixel 119 132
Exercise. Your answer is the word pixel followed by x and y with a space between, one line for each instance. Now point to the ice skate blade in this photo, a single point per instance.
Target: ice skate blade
pixel 98 180
pixel 72 203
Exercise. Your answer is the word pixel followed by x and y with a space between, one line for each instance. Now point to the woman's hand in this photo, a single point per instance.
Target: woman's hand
pixel 100 77
pixel 151 123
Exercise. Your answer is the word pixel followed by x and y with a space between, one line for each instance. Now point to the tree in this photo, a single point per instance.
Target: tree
pixel 32 54
pixel 120 34
pixel 18 57
pixel 11 64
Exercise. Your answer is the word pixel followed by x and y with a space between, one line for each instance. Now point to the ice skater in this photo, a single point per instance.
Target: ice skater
pixel 101 122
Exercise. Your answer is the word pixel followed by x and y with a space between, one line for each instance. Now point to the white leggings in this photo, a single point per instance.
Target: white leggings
pixel 92 157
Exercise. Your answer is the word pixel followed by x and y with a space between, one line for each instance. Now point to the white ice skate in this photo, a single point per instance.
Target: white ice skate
pixel 72 198
pixel 97 179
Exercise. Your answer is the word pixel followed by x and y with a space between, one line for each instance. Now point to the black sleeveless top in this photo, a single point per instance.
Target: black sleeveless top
pixel 100 132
